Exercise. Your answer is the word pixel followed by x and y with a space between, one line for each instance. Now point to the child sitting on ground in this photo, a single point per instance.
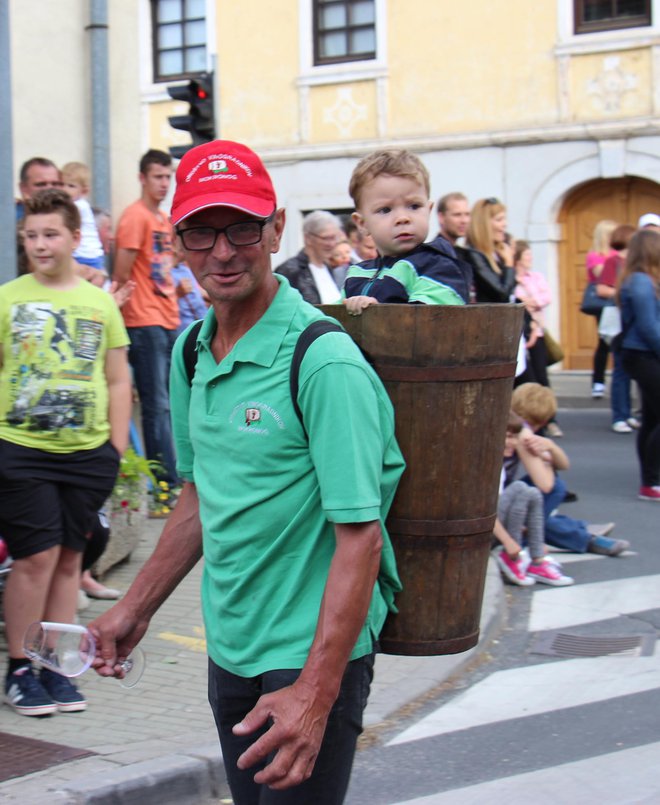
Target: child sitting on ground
pixel 537 405
pixel 390 190
pixel 520 508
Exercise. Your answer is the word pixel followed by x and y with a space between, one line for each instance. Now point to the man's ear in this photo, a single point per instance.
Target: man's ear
pixel 278 229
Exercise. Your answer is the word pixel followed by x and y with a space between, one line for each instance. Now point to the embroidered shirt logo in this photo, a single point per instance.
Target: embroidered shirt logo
pixel 252 415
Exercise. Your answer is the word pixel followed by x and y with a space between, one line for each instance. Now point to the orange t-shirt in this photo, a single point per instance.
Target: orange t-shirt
pixel 153 301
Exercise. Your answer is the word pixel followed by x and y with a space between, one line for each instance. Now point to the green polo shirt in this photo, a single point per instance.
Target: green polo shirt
pixel 269 495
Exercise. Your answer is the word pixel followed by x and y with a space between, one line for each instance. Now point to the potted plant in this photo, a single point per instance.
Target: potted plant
pixel 127 508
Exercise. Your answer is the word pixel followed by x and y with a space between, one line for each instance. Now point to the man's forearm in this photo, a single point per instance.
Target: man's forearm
pixel 344 608
pixel 177 552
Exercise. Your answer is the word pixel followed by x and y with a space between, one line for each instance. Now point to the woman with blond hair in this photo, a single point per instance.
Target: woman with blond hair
pixel 595 260
pixel 490 254
pixel 639 299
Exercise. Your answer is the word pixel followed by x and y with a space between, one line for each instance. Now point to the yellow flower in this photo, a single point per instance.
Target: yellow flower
pixel 162 497
pixel 163 485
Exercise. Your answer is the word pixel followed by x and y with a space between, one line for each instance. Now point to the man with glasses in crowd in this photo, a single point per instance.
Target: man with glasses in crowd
pixel 309 271
pixel 298 569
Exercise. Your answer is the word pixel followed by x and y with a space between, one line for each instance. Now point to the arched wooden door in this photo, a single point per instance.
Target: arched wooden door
pixel 621 200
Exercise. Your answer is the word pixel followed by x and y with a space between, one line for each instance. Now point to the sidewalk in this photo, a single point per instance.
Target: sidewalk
pixel 156 743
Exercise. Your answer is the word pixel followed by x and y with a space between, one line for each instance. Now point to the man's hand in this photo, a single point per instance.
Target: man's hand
pixel 184 287
pixel 116 633
pixel 299 718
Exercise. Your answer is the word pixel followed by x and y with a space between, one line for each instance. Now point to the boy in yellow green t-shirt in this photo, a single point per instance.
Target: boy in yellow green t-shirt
pixel 65 405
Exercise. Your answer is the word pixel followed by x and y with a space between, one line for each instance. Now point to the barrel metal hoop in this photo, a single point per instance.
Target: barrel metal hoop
pixel 444 374
pixel 440 528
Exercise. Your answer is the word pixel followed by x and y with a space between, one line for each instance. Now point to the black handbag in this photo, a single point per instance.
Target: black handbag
pixel 592 304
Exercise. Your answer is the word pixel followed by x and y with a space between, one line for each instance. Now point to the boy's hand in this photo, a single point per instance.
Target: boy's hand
pixel 356 304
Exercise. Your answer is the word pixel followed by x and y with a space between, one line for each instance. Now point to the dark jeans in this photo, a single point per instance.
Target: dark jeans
pixel 149 354
pixel 644 367
pixel 600 358
pixel 232 697
pixel 620 390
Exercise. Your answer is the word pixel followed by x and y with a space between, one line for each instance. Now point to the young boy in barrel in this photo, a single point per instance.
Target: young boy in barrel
pixel 391 193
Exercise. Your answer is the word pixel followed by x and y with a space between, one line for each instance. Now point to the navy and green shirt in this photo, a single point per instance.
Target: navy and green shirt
pixel 430 274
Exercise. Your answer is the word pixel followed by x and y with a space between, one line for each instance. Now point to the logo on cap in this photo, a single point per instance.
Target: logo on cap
pixel 218 166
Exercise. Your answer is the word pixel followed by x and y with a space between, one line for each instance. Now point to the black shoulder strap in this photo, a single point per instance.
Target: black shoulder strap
pixel 305 339
pixel 189 351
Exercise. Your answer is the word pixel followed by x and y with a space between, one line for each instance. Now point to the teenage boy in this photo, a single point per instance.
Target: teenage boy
pixel 65 401
pixel 390 190
pixel 144 254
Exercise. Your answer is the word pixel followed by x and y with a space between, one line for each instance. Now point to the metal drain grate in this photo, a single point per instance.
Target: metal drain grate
pixel 20 756
pixel 561 644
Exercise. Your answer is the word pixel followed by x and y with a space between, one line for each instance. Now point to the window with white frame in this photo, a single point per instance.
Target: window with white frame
pixel 179 38
pixel 344 31
pixel 608 15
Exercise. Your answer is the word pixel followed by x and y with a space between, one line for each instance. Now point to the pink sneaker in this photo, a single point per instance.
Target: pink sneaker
pixel 548 573
pixel 649 493
pixel 512 569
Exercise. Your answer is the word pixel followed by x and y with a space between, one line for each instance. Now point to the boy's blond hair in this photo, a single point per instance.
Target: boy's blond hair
pixel 535 403
pixel 390 162
pixel 77 172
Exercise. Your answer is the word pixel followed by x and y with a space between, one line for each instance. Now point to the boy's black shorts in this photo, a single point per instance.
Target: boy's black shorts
pixel 49 499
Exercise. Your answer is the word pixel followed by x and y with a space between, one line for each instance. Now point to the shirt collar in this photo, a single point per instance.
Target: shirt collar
pixel 263 340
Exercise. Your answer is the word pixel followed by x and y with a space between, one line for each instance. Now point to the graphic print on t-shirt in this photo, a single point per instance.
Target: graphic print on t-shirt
pixel 53 352
pixel 161 263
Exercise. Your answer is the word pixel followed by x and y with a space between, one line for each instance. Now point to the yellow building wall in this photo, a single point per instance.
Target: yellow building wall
pixel 343 111
pixel 258 62
pixel 472 67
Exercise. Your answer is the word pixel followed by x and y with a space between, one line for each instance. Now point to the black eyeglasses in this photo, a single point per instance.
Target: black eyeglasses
pixel 203 238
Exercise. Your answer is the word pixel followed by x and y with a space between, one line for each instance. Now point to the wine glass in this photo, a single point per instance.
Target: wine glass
pixel 69 649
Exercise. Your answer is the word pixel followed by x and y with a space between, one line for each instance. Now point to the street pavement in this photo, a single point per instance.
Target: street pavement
pixel 156 743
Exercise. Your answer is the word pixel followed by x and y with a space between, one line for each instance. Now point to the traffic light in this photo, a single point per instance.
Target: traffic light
pixel 200 120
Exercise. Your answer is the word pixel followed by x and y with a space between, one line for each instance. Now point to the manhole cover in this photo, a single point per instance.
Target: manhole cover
pixel 561 644
pixel 20 756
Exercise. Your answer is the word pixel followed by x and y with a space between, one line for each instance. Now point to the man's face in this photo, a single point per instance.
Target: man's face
pixel 320 245
pixel 39 178
pixel 455 221
pixel 233 273
pixel 156 182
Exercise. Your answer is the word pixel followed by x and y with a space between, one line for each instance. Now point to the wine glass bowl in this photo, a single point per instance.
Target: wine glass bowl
pixel 69 649
pixel 65 648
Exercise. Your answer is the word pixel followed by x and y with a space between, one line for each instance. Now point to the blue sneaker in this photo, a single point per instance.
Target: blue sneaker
pixel 25 693
pixel 62 691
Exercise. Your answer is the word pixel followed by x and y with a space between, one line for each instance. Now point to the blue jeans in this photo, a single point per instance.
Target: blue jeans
pixel 149 354
pixel 231 697
pixel 562 531
pixel 620 391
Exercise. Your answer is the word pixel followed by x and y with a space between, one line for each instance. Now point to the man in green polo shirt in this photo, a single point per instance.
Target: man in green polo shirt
pixel 288 512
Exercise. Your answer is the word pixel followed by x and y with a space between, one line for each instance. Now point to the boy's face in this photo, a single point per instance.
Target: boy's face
pixel 156 182
pixel 395 211
pixel 49 245
pixel 73 188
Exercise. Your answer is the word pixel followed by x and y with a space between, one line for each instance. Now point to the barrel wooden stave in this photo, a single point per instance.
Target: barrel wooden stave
pixel 449 373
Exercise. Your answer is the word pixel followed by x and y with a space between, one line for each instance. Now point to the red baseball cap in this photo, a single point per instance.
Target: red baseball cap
pixel 222 174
